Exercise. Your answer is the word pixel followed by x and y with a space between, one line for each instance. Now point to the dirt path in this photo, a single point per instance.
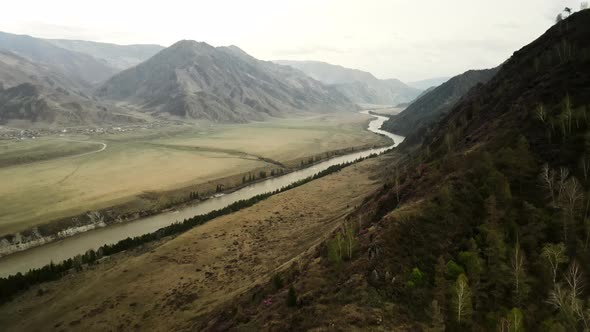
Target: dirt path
pixel 102 148
pixel 170 285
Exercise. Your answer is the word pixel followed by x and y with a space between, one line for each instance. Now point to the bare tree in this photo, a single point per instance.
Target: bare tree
pixel 541 114
pixel 518 272
pixel 572 193
pixel 462 298
pixel 575 280
pixel 554 254
pixel 547 177
pixel 564 173
pixel 567 300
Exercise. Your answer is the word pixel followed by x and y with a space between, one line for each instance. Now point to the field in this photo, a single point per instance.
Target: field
pixel 178 280
pixel 54 178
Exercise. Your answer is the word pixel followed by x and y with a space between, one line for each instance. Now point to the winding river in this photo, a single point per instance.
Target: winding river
pixel 60 250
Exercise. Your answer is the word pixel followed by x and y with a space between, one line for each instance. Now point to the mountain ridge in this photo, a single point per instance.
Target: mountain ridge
pixel 196 80
pixel 359 86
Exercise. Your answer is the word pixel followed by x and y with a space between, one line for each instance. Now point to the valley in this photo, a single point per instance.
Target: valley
pixel 196 187
pixel 151 169
pixel 178 280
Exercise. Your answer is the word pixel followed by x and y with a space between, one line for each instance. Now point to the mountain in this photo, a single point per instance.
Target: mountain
pixel 85 70
pixel 15 70
pixel 33 94
pixel 427 109
pixel 196 80
pixel 428 83
pixel 359 86
pixel 117 56
pixel 497 191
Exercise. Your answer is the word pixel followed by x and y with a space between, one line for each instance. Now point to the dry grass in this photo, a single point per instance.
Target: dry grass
pixel 159 160
pixel 171 284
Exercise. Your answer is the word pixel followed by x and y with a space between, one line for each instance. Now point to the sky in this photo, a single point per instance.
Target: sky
pixel 404 39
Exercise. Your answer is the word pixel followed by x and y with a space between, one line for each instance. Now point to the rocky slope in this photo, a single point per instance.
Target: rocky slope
pixel 224 84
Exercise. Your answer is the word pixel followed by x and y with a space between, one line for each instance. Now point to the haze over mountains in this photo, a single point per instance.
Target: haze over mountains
pixel 359 86
pixel 197 80
pixel 187 80
pixel 117 56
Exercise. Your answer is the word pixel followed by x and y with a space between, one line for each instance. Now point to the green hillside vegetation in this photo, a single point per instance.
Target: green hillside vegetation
pixel 484 227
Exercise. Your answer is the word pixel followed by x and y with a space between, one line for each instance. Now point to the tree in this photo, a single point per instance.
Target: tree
pixel 559 18
pixel 547 177
pixel 566 299
pixel 561 182
pixel 572 193
pixel 440 284
pixel 474 267
pixel 515 320
pixel 574 280
pixel 554 254
pixel 349 238
pixel 585 165
pixel 291 297
pixel 462 299
pixel 518 273
pixel 437 318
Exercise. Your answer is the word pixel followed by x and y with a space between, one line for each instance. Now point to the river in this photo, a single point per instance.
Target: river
pixel 78 244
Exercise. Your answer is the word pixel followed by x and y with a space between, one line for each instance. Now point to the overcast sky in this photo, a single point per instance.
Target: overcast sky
pixel 409 40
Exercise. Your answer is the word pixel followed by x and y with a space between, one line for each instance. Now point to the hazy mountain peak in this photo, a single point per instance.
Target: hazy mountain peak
pixel 359 86
pixel 194 79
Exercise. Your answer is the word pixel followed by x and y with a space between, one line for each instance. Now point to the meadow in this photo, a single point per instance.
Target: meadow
pixel 51 179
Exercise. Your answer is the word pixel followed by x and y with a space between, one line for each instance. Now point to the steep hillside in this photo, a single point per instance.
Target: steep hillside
pixel 431 106
pixel 359 86
pixel 196 80
pixel 483 228
pixel 117 56
pixel 82 68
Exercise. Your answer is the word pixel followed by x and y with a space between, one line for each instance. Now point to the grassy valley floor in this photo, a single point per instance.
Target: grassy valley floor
pixel 55 178
pixel 171 284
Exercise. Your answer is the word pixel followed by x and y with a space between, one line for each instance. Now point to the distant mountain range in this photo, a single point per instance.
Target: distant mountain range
pixel 73 82
pixel 83 69
pixel 359 86
pixel 428 83
pixel 435 103
pixel 119 57
pixel 197 80
pixel 80 82
pixel 39 94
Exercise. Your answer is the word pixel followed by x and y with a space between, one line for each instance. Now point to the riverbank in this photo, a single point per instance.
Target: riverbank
pixel 79 244
pixel 176 280
pixel 165 201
